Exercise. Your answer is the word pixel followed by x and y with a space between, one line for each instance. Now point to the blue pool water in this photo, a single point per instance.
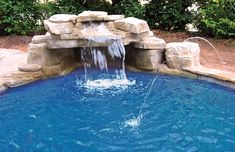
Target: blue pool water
pixel 62 115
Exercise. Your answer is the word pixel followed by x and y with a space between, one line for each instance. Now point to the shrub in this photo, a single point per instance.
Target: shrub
pixel 126 7
pixel 18 16
pixel 169 14
pixel 217 18
pixel 129 8
pixel 67 6
pixel 99 5
pixel 78 6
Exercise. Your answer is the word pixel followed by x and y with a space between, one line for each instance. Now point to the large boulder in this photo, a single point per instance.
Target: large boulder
pixel 132 24
pixel 150 43
pixel 182 54
pixel 144 59
pixel 41 55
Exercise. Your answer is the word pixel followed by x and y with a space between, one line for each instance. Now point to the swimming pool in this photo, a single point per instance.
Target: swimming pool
pixel 62 115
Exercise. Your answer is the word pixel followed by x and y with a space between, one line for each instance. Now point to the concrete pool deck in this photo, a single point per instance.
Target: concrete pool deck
pixel 14 70
pixel 10 76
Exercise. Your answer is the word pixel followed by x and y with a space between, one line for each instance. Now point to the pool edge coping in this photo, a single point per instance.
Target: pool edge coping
pixel 216 78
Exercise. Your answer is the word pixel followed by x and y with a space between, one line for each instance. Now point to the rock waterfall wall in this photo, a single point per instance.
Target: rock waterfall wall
pixel 67 33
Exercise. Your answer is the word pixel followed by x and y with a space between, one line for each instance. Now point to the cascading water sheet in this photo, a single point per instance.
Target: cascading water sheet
pixel 102 57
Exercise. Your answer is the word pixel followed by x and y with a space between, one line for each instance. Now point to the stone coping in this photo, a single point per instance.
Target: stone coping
pixel 223 78
pixel 214 73
pixel 220 77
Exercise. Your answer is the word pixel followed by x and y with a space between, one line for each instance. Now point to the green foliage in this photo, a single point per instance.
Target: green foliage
pixel 129 8
pixel 18 16
pixel 78 6
pixel 24 17
pixel 126 7
pixel 170 14
pixel 67 6
pixel 46 10
pixel 214 18
pixel 99 5
pixel 217 18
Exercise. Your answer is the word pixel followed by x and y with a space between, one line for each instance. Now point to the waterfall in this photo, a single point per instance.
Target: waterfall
pixel 105 53
pixel 97 57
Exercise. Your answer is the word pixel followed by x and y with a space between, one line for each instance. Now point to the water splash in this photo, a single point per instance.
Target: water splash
pixel 108 83
pixel 201 38
pixel 135 122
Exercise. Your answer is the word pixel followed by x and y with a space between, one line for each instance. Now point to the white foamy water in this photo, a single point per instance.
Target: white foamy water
pixel 134 122
pixel 108 83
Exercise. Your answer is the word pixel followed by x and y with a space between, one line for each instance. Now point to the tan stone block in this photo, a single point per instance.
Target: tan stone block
pixel 61 18
pixel 150 43
pixel 109 25
pixel 30 67
pixel 141 36
pixel 40 54
pixel 38 39
pixel 69 37
pixel 131 24
pixel 79 26
pixel 186 61
pixel 54 42
pixel 120 33
pixel 77 34
pixel 52 70
pixel 35 54
pixel 88 16
pixel 58 28
pixel 114 17
pixel 127 40
pixel 145 59
pixel 38 46
pixel 182 54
